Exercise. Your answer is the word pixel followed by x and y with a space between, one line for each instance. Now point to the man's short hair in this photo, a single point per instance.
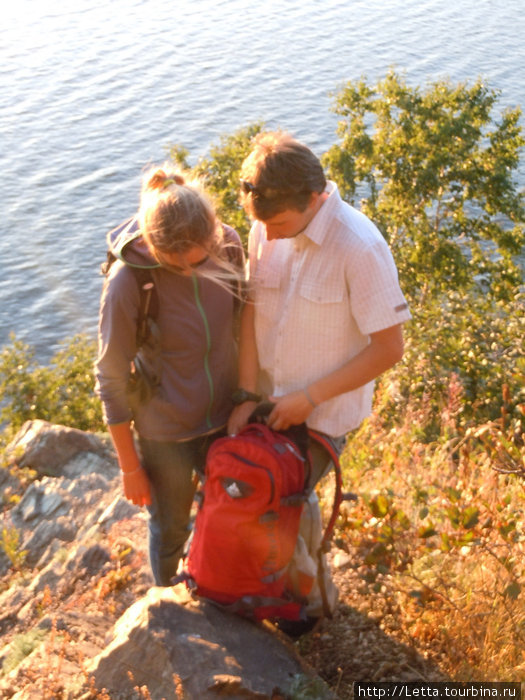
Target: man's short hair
pixel 280 173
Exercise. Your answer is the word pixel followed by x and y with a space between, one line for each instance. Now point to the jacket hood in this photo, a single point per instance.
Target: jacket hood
pixel 126 243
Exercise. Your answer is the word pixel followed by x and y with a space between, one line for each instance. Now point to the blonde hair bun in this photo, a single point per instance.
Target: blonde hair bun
pixel 159 180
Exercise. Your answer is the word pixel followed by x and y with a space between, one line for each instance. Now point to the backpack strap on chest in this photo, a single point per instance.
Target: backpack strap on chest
pixel 148 305
pixel 120 242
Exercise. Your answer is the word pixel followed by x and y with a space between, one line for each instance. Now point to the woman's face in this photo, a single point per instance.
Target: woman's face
pixel 183 263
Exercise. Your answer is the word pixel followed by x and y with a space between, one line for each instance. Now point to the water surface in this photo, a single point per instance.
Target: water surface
pixel 94 91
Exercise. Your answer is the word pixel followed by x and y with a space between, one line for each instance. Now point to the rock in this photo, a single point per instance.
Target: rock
pixel 45 533
pixel 172 644
pixel 93 559
pixel 119 509
pixel 54 509
pixel 41 500
pixel 85 562
pixel 47 448
pixel 340 560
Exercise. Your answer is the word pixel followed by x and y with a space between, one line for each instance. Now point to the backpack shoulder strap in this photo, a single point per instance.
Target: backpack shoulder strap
pixel 118 239
pixel 148 305
pixel 338 494
pixel 338 499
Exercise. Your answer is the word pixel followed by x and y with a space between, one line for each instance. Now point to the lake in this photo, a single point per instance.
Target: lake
pixel 92 92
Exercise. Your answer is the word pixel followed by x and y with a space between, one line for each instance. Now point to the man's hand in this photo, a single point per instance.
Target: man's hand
pixel 290 409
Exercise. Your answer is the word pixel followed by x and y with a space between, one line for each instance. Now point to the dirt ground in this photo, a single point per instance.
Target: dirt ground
pixel 356 645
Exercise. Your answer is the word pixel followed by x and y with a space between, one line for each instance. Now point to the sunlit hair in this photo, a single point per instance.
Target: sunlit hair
pixel 280 173
pixel 175 215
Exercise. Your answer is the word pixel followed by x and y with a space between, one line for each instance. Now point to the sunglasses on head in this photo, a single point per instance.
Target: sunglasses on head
pixel 248 188
pixel 269 193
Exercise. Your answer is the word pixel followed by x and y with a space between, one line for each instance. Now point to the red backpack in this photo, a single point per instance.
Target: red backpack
pixel 248 522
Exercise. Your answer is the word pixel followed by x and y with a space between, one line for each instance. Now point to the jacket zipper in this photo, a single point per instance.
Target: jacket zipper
pixel 208 348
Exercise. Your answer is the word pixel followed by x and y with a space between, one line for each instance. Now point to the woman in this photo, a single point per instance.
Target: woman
pixel 195 264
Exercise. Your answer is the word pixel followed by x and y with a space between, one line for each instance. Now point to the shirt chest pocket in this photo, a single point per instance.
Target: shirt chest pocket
pixel 324 310
pixel 322 291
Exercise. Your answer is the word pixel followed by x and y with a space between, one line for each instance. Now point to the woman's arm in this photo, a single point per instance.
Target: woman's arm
pixel 248 368
pixel 135 480
pixel 116 347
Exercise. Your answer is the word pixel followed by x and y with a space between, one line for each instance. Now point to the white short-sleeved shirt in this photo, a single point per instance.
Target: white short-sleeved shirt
pixel 317 298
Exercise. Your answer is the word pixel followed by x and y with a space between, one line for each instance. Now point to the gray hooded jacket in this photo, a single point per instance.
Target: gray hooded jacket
pixel 196 353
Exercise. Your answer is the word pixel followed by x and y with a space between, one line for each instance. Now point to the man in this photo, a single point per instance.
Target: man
pixel 325 313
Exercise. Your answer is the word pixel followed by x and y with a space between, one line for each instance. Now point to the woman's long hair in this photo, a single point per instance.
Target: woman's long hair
pixel 176 215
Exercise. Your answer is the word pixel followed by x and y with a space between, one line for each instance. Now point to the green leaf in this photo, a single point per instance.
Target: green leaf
pixel 379 505
pixel 403 520
pixel 376 555
pixel 436 168
pixel 466 538
pixel 446 545
pixel 470 517
pixel 427 531
pixel 512 590
pixel 506 528
pixel 453 494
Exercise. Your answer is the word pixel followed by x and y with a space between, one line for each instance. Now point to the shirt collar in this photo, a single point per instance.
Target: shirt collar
pixel 318 227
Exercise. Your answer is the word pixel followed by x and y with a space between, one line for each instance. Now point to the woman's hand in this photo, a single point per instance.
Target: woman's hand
pixel 134 478
pixel 239 416
pixel 136 487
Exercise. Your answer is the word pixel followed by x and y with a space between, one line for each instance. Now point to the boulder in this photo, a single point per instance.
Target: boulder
pixel 64 510
pixel 46 448
pixel 176 646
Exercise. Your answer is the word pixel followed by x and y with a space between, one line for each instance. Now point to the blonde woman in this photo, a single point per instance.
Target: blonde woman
pixel 195 263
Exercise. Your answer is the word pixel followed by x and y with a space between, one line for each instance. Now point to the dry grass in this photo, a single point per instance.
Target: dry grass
pixel 436 542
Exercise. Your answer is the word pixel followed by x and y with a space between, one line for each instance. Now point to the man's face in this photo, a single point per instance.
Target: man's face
pixel 290 222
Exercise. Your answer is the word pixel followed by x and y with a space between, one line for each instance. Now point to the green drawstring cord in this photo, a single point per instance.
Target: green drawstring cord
pixel 208 347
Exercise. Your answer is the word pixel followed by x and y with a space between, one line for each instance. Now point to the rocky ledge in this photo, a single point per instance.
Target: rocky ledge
pixel 79 616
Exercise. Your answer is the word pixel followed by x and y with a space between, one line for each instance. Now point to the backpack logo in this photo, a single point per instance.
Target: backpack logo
pixel 236 489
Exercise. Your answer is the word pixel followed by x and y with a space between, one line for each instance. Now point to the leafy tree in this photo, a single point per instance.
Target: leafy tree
pixel 435 171
pixel 220 173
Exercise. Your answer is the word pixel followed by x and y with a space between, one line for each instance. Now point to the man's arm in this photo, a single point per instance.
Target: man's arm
pixel 384 351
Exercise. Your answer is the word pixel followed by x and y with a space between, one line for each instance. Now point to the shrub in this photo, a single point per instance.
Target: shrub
pixel 437 538
pixel 476 340
pixel 21 647
pixel 10 544
pixel 62 392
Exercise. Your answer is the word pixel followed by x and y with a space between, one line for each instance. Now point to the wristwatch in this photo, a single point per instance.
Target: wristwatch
pixel 242 395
